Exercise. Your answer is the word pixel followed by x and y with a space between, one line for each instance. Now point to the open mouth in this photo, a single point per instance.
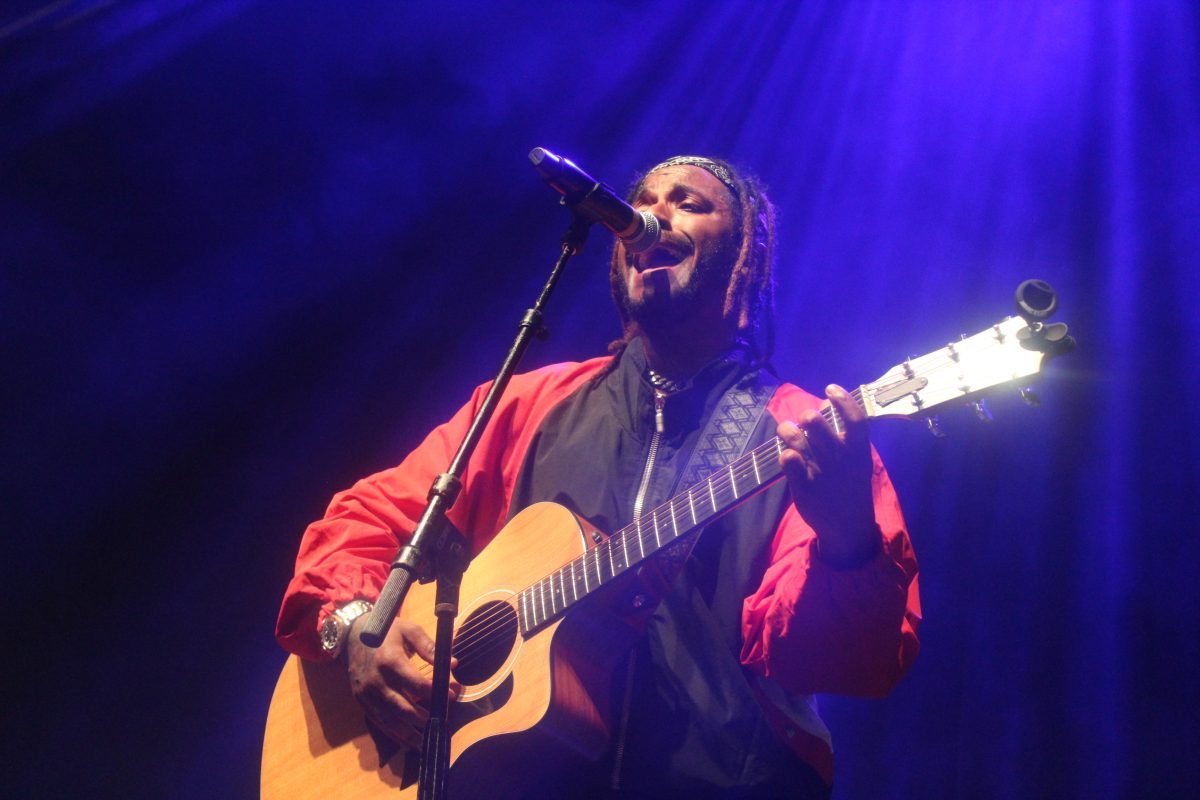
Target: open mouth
pixel 666 253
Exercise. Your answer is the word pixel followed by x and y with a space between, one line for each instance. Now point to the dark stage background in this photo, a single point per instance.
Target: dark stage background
pixel 253 250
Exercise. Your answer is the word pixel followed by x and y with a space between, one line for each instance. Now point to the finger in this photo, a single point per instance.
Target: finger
pixel 795 459
pixel 791 434
pixel 807 434
pixel 823 443
pixel 847 406
pixel 396 716
pixel 854 419
pixel 798 469
pixel 404 676
pixel 419 642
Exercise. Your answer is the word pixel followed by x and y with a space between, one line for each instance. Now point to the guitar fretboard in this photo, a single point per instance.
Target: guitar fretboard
pixel 690 510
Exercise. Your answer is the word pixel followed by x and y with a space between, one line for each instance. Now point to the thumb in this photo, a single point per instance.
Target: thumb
pixel 421 642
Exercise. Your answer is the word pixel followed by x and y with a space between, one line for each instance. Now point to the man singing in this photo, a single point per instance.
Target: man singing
pixel 809 587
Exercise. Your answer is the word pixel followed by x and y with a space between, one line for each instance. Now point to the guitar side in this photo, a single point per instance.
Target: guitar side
pixel 548 690
pixel 528 695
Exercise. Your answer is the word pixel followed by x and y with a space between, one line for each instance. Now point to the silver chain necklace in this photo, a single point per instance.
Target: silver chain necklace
pixel 665 384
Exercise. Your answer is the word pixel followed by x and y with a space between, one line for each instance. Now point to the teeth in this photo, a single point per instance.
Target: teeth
pixel 664 257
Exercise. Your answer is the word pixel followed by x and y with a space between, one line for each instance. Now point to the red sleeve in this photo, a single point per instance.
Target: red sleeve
pixel 814 628
pixel 346 554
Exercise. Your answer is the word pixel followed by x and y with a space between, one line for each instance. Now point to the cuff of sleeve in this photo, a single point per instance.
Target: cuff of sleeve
pixel 857 560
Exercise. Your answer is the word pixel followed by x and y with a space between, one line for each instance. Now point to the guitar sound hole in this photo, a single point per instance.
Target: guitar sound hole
pixel 484 641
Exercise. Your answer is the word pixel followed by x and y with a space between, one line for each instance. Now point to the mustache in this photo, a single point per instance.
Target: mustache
pixel 671 249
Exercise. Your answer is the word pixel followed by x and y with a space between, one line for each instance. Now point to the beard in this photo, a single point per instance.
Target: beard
pixel 662 307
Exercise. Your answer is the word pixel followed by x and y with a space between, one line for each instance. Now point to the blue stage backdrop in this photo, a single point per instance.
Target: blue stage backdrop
pixel 251 251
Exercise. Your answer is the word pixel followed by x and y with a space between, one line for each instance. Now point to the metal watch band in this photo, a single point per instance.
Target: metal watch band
pixel 336 627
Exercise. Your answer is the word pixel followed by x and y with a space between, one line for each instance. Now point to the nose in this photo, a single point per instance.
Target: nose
pixel 662 211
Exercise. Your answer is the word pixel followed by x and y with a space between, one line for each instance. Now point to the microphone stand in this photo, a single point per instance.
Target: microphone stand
pixel 436 551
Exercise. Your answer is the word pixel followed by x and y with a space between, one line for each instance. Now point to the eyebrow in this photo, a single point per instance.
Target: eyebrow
pixel 679 188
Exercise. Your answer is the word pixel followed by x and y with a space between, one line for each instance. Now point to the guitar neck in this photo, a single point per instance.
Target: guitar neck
pixel 964 370
pixel 695 507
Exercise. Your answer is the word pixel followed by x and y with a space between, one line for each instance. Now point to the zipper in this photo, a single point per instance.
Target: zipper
pixel 660 401
pixel 639 502
pixel 626 702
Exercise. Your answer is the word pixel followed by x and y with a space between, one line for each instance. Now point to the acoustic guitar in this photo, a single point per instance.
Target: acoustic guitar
pixel 535 650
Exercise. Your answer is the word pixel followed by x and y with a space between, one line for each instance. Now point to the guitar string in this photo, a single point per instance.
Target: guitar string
pixel 481 637
pixel 723 490
pixel 723 486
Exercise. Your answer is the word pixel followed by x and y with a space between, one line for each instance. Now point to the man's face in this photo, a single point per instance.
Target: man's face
pixel 685 275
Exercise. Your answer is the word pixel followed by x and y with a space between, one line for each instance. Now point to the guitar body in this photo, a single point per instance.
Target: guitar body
pixel 533 705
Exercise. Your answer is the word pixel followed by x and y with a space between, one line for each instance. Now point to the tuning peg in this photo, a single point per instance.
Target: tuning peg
pixel 1031 399
pixel 981 411
pixel 1036 301
pixel 934 428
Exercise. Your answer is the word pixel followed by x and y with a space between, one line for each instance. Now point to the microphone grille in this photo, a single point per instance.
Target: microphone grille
pixel 647 237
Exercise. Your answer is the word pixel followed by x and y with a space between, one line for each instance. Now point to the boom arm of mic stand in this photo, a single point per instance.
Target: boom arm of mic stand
pixel 444 557
pixel 420 558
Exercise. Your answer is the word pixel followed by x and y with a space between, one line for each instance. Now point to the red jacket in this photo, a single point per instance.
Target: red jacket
pixel 805 628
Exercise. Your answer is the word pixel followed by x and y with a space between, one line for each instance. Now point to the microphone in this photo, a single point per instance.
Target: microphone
pixel 638 230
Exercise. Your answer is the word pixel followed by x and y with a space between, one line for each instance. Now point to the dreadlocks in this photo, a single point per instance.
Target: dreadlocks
pixel 750 293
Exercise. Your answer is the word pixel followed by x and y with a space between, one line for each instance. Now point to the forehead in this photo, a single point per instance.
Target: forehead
pixel 664 180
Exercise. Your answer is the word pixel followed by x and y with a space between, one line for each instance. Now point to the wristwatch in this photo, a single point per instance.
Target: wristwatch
pixel 336 626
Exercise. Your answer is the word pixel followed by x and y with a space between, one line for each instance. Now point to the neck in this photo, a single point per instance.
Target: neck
pixel 681 355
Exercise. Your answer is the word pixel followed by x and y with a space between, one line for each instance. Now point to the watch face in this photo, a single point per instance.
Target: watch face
pixel 329 634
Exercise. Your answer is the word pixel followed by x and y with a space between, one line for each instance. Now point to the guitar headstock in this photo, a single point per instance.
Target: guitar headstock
pixel 1011 352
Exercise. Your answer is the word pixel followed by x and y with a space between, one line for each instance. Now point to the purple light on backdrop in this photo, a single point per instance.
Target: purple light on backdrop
pixel 259 252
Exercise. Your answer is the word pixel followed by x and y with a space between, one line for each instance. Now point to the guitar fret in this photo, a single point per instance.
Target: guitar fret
pixel 916 386
pixel 538 609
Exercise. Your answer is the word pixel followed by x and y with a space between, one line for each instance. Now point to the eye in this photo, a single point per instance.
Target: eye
pixel 690 206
